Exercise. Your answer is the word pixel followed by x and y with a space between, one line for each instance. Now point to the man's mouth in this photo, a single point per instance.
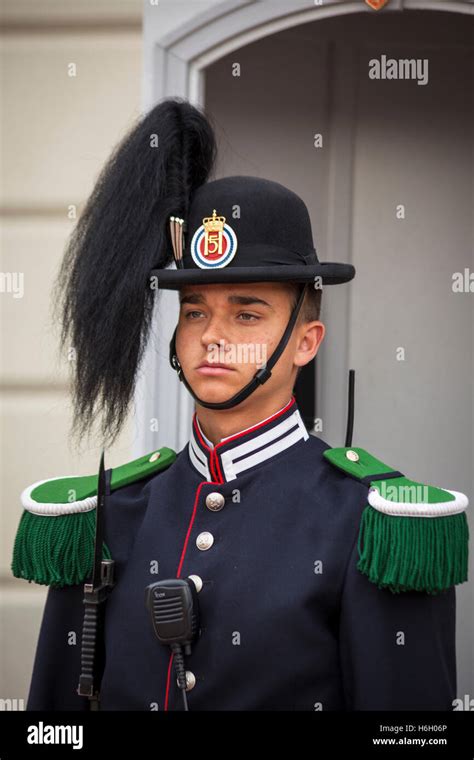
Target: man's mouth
pixel 214 368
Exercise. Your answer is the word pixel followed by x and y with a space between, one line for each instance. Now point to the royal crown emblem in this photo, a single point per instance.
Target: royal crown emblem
pixel 214 244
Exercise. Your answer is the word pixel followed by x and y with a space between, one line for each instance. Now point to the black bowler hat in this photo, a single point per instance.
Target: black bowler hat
pixel 154 220
pixel 246 229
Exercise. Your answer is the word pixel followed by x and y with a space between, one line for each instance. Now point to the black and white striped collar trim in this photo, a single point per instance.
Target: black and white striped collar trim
pixel 248 449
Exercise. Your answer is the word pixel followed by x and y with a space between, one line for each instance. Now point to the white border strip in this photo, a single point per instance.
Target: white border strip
pixel 199 465
pixel 408 509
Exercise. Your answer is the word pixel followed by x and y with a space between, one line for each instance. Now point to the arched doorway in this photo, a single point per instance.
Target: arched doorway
pixel 389 192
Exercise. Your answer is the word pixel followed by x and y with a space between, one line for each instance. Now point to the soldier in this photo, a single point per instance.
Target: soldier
pixel 302 576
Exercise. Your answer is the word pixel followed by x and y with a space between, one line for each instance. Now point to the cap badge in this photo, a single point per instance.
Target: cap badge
pixel 214 243
pixel 376 5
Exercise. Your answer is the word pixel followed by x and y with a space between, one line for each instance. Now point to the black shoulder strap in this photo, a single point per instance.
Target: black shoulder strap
pixel 95 595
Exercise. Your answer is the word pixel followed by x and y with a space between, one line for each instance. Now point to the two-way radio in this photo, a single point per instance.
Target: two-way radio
pixel 174 609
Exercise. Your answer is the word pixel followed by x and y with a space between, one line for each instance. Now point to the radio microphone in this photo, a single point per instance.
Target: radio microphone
pixel 174 609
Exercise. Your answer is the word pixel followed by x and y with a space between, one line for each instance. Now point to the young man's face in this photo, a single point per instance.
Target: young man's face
pixel 239 326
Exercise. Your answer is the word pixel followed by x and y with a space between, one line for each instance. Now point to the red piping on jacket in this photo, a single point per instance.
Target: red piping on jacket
pixel 215 468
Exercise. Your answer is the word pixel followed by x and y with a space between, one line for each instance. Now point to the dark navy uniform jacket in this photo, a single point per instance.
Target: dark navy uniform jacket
pixel 288 622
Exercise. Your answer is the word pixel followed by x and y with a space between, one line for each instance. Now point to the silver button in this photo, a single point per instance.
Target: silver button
pixel 215 501
pixel 352 455
pixel 190 680
pixel 197 580
pixel 204 540
pixel 154 456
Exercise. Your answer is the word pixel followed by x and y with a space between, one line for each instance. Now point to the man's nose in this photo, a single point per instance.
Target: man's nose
pixel 215 331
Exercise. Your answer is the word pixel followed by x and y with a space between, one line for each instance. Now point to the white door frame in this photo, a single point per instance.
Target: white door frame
pixel 174 66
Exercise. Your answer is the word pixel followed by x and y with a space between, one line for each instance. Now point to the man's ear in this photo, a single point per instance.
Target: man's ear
pixel 309 341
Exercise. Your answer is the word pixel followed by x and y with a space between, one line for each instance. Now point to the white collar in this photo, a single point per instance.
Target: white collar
pixel 248 448
pixel 211 445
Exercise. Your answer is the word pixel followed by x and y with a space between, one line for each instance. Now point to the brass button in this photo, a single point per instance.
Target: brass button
pixel 204 540
pixel 352 455
pixel 190 680
pixel 197 580
pixel 215 501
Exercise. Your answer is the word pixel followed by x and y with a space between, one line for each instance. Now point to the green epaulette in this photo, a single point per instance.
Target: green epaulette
pixel 412 537
pixel 60 551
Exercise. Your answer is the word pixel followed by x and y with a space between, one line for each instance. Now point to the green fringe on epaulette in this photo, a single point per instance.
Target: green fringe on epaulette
pixel 55 551
pixel 413 553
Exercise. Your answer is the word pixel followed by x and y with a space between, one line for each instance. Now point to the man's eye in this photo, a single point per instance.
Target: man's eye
pixel 242 314
pixel 246 314
pixel 188 314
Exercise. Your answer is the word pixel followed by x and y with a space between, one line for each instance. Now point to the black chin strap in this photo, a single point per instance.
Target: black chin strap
pixel 260 377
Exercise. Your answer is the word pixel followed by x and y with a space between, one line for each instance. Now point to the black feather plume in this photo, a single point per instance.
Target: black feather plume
pixel 102 296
